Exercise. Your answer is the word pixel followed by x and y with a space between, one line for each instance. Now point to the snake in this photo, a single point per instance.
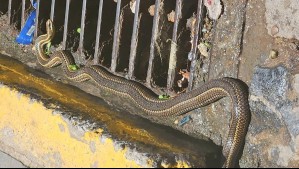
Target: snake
pixel 150 103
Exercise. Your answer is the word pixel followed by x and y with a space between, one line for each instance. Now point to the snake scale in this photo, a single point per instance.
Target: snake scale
pixel 148 101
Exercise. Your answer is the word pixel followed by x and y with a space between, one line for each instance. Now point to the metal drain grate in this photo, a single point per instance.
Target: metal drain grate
pixel 146 41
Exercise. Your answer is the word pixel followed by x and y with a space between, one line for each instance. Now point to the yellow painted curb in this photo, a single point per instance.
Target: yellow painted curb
pixel 29 127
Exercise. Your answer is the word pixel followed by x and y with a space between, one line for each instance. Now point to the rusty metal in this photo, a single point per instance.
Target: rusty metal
pixel 37 16
pixel 153 42
pixel 115 50
pixel 134 40
pixel 52 10
pixel 66 20
pixel 96 53
pixel 173 49
pixel 135 46
pixel 23 13
pixel 193 55
pixel 9 11
pixel 83 16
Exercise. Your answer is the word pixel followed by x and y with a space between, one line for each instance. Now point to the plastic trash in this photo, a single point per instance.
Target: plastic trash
pixel 34 4
pixel 185 120
pixel 26 35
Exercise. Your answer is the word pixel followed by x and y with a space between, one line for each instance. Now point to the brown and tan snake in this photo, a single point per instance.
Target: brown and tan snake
pixel 148 101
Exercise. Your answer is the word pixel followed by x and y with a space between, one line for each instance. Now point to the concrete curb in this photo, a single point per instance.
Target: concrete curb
pixel 40 127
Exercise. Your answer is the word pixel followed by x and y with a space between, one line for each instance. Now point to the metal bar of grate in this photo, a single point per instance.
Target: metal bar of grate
pixel 173 50
pixel 134 40
pixel 66 20
pixel 172 69
pixel 115 49
pixel 153 41
pixel 9 11
pixel 96 53
pixel 52 10
pixel 193 53
pixel 83 16
pixel 36 19
pixel 23 13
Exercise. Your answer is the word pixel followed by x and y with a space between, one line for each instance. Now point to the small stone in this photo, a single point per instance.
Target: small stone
pixel 274 30
pixel 273 54
pixel 176 122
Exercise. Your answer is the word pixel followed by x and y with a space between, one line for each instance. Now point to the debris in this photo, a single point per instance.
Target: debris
pixel 208 44
pixel 185 120
pixel 273 54
pixel 79 30
pixel 185 73
pixel 191 22
pixel 151 10
pixel 26 35
pixel 214 8
pixel 182 83
pixel 171 16
pixel 203 49
pixel 164 97
pixel 133 5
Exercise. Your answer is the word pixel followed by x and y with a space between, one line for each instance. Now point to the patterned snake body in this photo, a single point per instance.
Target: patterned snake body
pixel 148 100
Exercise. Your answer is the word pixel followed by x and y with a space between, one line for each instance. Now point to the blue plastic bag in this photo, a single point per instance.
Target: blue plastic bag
pixel 26 35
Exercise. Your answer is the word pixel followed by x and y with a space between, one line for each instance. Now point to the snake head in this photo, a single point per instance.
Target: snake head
pixel 50 27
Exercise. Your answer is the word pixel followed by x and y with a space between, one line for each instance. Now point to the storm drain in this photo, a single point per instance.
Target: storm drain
pixel 151 41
